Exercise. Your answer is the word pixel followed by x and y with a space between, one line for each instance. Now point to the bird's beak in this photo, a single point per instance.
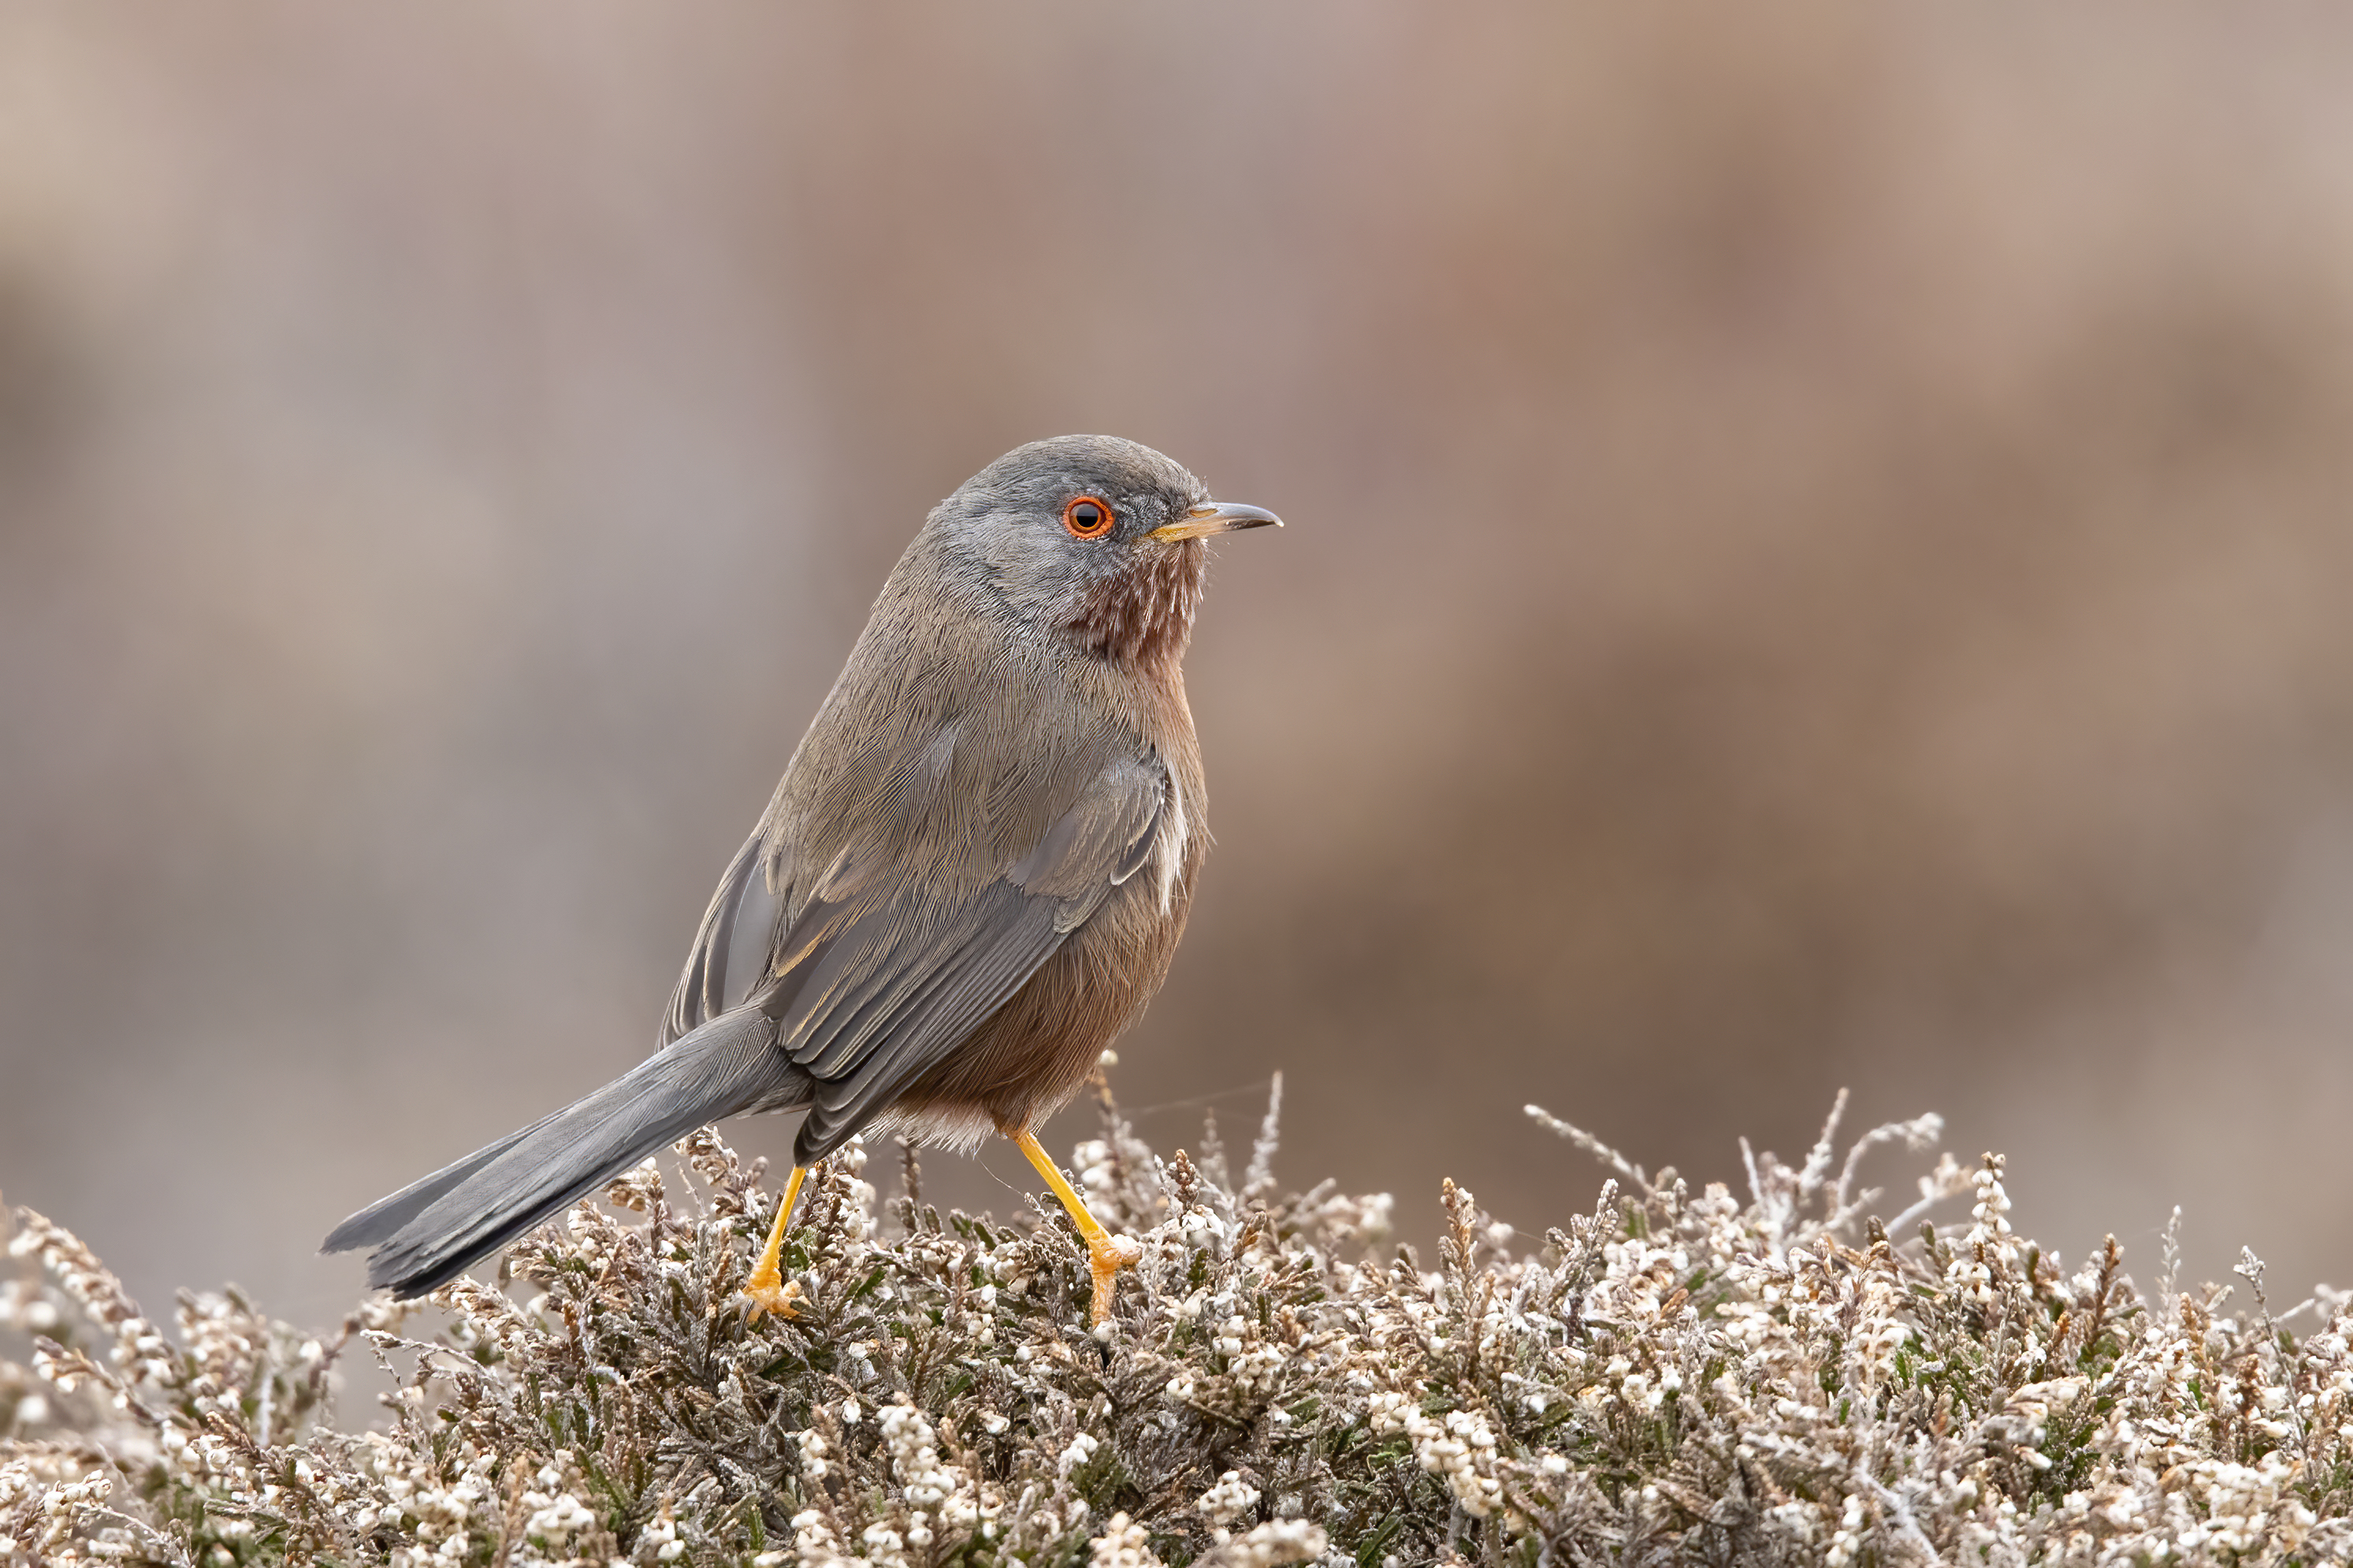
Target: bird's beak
pixel 1228 516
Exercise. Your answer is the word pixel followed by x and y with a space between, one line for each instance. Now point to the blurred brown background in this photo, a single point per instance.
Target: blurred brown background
pixel 1817 558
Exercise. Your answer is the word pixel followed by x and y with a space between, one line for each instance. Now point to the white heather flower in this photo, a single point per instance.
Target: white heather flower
pixel 1124 1544
pixel 814 1541
pixel 1257 1371
pixel 885 1547
pixel 1281 1540
pixel 1846 1544
pixel 1228 1500
pixel 563 1515
pixel 1457 1451
pixel 1387 1411
pixel 925 1481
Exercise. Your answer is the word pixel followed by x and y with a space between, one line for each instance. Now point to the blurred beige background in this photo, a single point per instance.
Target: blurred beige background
pixel 1817 557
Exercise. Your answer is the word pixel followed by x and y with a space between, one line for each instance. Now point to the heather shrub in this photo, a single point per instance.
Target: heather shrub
pixel 1672 1375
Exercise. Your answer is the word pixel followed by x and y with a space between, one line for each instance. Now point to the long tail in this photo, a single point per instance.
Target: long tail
pixel 426 1232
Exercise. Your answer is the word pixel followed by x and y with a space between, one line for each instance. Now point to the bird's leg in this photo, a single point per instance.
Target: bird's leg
pixel 767 1287
pixel 1106 1254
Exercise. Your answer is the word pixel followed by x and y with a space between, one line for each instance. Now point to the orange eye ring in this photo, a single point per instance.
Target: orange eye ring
pixel 1089 516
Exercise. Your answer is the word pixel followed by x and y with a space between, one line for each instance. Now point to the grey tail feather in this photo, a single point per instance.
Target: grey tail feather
pixel 431 1230
pixel 381 1218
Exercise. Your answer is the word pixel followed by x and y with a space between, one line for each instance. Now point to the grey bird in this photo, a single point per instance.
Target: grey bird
pixel 971 876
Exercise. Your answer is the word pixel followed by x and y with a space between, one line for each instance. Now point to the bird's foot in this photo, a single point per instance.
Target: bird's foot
pixel 768 1293
pixel 767 1290
pixel 1106 1255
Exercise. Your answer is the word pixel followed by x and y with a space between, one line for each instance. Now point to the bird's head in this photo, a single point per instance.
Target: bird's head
pixel 1094 540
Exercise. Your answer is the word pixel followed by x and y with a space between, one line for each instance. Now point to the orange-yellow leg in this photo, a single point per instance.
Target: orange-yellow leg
pixel 1106 1254
pixel 767 1288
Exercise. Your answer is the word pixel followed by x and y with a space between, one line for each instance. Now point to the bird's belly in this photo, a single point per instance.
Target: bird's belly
pixel 1032 1055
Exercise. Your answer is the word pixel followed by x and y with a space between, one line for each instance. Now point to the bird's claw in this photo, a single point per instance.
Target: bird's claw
pixel 768 1293
pixel 1106 1255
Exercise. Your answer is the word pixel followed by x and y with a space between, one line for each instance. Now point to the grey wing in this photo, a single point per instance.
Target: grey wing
pixel 729 959
pixel 871 994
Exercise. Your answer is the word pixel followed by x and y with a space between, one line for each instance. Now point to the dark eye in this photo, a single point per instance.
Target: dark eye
pixel 1088 518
